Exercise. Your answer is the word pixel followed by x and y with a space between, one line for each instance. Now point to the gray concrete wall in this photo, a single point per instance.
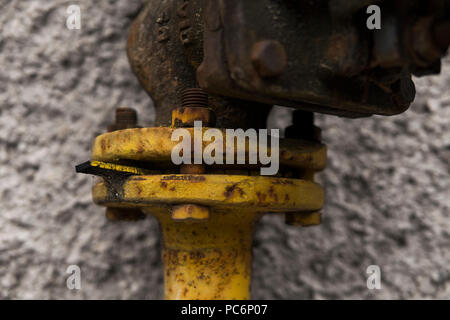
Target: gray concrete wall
pixel 387 183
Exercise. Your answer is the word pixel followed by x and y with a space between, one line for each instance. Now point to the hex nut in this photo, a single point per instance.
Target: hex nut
pixel 269 58
pixel 403 92
pixel 185 116
pixel 126 118
pixel 190 213
pixel 303 219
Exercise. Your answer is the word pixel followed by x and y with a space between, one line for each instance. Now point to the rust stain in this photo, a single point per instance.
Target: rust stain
pixel 286 155
pixel 338 47
pixel 103 145
pixel 283 181
pixel 229 190
pixel 261 196
pixel 272 193
pixel 177 122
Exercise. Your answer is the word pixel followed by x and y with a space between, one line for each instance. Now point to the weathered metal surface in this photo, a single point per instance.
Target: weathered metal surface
pixel 211 260
pixel 185 117
pixel 155 145
pixel 342 9
pixel 313 55
pixel 316 49
pixel 194 97
pixel 269 58
pixel 441 33
pixel 303 128
pixel 221 192
pixel 194 107
pixel 424 47
pixel 334 61
pixel 125 118
pixel 165 47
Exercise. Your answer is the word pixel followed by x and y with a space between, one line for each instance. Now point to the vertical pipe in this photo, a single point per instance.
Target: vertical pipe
pixel 208 260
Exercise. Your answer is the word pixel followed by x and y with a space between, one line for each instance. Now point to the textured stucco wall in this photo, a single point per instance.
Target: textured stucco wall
pixel 387 183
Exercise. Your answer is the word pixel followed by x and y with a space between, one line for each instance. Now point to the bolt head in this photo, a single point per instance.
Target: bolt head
pixel 125 118
pixel 269 58
pixel 126 115
pixel 190 213
pixel 404 92
pixel 303 219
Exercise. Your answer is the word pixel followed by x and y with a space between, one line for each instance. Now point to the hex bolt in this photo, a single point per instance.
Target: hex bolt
pixel 194 107
pixel 194 97
pixel 269 58
pixel 303 128
pixel 126 118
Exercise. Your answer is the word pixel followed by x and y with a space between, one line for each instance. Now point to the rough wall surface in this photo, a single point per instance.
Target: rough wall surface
pixel 387 183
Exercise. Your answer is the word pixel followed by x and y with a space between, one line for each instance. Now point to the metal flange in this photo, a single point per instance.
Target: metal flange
pixel 155 145
pixel 219 192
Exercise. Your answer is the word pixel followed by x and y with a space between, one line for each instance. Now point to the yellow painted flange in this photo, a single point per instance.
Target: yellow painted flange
pixel 155 145
pixel 221 192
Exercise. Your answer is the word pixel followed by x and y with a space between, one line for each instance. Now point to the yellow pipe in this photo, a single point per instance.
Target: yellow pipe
pixel 208 260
